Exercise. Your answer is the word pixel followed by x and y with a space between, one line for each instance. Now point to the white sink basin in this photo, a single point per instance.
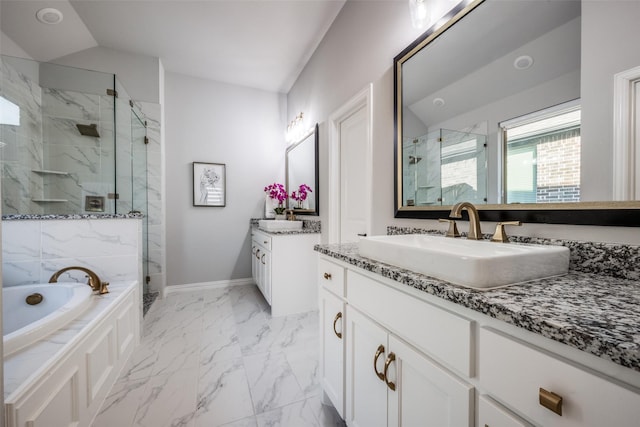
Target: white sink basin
pixel 279 225
pixel 470 263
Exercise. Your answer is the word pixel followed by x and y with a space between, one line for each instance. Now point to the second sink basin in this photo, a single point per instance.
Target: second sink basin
pixel 470 263
pixel 279 225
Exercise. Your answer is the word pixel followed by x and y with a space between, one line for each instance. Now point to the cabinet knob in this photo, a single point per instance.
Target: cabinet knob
pixel 338 317
pixel 327 276
pixel 379 351
pixel 265 242
pixel 390 359
pixel 551 401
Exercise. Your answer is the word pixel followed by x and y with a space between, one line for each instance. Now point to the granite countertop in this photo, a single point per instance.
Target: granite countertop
pixel 591 312
pixel 23 217
pixel 309 226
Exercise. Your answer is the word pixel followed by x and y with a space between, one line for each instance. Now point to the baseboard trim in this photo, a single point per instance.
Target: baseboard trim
pixel 204 286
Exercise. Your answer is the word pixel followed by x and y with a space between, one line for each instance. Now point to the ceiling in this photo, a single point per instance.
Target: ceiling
pixel 263 44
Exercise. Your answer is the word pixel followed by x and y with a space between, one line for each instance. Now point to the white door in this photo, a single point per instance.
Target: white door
pixel 350 164
pixel 366 355
pixel 333 336
pixel 353 179
pixel 636 136
pixel 425 394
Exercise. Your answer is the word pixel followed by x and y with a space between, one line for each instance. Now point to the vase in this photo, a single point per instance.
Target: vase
pixel 281 216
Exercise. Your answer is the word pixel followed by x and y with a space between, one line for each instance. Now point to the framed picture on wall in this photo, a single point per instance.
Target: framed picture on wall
pixel 209 184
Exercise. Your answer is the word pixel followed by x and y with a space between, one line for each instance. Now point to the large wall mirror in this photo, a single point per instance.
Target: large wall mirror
pixel 508 106
pixel 302 169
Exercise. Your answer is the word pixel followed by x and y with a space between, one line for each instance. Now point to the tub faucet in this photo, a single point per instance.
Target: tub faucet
pixel 474 221
pixel 94 281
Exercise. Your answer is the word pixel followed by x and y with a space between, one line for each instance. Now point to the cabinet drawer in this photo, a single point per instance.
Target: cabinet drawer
pixel 331 276
pixel 514 373
pixel 261 239
pixel 492 414
pixel 436 332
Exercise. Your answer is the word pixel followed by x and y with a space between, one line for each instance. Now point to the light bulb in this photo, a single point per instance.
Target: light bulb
pixel 419 13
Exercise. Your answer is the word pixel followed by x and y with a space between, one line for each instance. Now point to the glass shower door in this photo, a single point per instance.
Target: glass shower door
pixel 139 201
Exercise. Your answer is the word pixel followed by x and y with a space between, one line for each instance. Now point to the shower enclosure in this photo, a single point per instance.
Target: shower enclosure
pixel 444 167
pixel 73 142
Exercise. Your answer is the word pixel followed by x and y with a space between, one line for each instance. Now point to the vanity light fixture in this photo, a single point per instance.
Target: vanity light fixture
pixel 419 15
pixel 296 130
pixel 49 16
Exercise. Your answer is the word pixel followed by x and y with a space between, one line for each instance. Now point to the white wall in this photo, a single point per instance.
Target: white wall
pixel 207 121
pixel 9 47
pixel 610 34
pixel 139 74
pixel 359 48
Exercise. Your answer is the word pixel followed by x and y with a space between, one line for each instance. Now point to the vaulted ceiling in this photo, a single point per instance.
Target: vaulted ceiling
pixel 257 43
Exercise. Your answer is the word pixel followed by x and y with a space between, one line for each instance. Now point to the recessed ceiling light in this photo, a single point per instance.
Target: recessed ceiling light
pixel 523 62
pixel 438 102
pixel 49 15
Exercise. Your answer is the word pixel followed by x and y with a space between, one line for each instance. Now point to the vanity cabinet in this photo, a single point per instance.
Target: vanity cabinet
pixel 283 266
pixel 332 334
pixel 414 359
pixel 518 374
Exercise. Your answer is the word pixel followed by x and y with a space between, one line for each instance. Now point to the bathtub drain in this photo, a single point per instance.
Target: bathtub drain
pixel 34 299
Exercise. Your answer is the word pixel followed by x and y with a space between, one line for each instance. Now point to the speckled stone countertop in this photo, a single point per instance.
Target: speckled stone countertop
pixel 595 313
pixel 308 227
pixel 23 217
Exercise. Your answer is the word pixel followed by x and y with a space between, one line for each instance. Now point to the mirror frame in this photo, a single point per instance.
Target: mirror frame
pixel 608 213
pixel 316 191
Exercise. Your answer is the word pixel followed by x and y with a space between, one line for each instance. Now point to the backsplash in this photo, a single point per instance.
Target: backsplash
pixel 33 250
pixel 608 259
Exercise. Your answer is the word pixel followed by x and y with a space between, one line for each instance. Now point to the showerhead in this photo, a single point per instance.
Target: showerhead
pixel 88 130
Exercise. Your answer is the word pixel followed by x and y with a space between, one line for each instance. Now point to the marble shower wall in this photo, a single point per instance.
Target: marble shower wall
pixel 33 250
pixel 48 167
pixel 23 149
pixel 87 160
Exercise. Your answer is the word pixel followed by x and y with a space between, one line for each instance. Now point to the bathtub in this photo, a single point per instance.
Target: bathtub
pixel 23 324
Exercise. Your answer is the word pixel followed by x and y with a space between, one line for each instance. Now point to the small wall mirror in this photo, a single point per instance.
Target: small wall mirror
pixel 302 169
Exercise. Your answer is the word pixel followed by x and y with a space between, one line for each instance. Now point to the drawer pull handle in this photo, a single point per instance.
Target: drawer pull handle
pixel 379 351
pixel 327 276
pixel 265 242
pixel 338 317
pixel 262 259
pixel 551 401
pixel 390 359
pixel 258 254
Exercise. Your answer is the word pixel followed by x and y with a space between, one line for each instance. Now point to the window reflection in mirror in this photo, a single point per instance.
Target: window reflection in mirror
pixel 543 157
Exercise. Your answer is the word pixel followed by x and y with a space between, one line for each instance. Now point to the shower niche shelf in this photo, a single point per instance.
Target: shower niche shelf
pixel 48 172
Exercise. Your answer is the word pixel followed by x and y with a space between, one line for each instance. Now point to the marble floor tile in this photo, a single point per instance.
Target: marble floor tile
pixel 299 414
pixel 121 405
pixel 271 381
pixel 169 401
pixel 218 358
pixel 223 394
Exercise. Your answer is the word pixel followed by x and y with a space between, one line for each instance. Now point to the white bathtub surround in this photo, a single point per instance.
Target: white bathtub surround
pixel 217 357
pixel 66 376
pixel 35 249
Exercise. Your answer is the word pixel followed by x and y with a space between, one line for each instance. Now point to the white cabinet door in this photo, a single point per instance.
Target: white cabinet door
pixel 425 394
pixel 265 274
pixel 366 353
pixel 333 338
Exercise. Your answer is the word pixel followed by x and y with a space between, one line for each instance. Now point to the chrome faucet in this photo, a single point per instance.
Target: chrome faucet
pixel 94 281
pixel 474 221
